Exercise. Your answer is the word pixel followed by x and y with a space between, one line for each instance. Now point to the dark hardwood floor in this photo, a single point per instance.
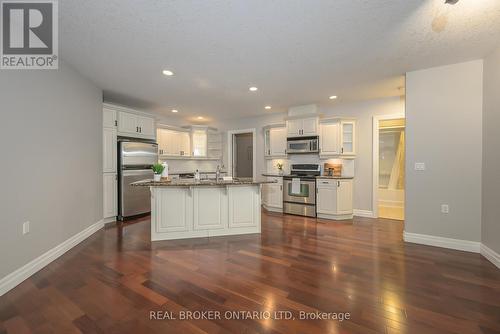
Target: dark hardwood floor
pixel 111 282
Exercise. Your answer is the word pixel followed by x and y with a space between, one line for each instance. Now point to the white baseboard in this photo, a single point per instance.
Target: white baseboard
pixel 363 213
pixel 430 240
pixel 109 220
pixel 491 255
pixel 17 277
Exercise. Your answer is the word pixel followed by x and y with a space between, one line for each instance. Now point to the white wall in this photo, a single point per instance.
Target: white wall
pixel 444 130
pixel 51 161
pixel 491 152
pixel 363 111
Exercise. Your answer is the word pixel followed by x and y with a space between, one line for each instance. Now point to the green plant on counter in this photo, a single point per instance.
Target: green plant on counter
pixel 158 168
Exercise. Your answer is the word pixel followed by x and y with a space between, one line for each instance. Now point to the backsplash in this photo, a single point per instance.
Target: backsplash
pixel 187 166
pixel 347 164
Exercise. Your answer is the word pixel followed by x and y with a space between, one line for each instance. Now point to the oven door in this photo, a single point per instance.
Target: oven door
pixel 307 194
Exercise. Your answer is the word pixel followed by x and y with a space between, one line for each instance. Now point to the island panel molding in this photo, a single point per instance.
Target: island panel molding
pixel 199 210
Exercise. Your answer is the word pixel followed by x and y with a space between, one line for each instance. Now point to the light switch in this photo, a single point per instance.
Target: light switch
pixel 445 208
pixel 419 165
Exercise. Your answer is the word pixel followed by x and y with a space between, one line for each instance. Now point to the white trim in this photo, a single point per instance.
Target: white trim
pixel 490 255
pixel 430 240
pixel 17 277
pixel 375 157
pixel 363 213
pixel 230 134
pixel 108 220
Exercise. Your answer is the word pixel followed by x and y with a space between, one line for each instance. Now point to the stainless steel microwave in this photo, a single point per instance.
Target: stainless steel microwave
pixel 302 145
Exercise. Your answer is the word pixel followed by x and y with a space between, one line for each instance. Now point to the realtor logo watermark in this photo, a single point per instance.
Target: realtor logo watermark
pixel 29 33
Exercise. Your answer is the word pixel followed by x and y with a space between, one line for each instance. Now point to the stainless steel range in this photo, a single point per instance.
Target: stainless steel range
pixel 299 190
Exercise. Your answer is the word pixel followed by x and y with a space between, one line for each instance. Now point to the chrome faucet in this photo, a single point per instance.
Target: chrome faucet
pixel 217 174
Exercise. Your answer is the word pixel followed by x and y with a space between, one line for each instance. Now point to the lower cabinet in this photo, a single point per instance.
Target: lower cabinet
pixel 272 195
pixel 110 195
pixel 334 198
pixel 204 211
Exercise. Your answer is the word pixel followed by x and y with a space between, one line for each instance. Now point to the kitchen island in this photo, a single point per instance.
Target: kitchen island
pixel 183 209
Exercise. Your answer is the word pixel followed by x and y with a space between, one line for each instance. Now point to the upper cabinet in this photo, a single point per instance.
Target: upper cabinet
pixel 109 119
pixel 199 141
pixel 189 143
pixel 174 143
pixel 302 127
pixel 134 125
pixel 347 137
pixel 275 141
pixel 337 137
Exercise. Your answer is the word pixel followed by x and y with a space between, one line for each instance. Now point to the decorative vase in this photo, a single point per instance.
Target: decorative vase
pixel 157 177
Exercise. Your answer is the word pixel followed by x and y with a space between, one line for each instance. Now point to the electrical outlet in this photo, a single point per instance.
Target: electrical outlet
pixel 26 227
pixel 445 208
pixel 419 165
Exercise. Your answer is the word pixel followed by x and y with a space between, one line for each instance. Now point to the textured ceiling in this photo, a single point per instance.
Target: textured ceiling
pixel 294 51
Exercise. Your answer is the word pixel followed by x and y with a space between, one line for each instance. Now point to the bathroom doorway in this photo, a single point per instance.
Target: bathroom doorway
pixel 389 167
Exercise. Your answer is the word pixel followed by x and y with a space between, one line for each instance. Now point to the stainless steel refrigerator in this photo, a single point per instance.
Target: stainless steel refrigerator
pixel 135 159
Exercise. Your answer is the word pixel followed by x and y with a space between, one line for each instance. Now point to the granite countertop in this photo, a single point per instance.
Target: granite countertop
pixel 192 172
pixel 202 183
pixel 318 177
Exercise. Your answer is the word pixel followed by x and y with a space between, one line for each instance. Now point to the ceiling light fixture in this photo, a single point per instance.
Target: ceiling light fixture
pixel 175 110
pixel 168 73
pixel 333 97
pixel 451 2
pixel 253 89
pixel 200 117
pixel 267 107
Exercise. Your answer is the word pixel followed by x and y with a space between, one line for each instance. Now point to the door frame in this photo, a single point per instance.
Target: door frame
pixel 375 157
pixel 230 150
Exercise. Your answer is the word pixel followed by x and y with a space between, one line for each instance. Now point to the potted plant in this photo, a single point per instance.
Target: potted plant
pixel 279 165
pixel 157 169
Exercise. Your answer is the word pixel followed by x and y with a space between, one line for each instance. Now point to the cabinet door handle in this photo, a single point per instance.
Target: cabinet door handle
pixel 140 129
pixel 136 129
pixel 342 150
pixel 116 122
pixel 338 183
pixel 281 188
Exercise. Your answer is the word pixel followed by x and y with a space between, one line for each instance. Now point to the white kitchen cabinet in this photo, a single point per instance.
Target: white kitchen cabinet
pixel 199 140
pixel 172 142
pixel 337 138
pixel 133 125
pixel 110 195
pixel 109 147
pixel 347 137
pixel 272 195
pixel 275 141
pixel 302 127
pixel 127 123
pixel 109 119
pixel 329 138
pixel 344 197
pixel 146 126
pixel 334 198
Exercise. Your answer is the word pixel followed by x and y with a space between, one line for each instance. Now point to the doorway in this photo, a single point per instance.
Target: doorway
pixel 241 157
pixel 389 167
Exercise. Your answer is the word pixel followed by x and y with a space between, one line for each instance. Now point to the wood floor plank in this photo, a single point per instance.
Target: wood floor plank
pixel 115 281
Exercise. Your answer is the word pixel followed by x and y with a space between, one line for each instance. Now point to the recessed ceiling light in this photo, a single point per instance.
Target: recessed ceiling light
pixel 175 110
pixel 200 117
pixel 333 97
pixel 168 73
pixel 253 89
pixel 451 2
pixel 267 107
